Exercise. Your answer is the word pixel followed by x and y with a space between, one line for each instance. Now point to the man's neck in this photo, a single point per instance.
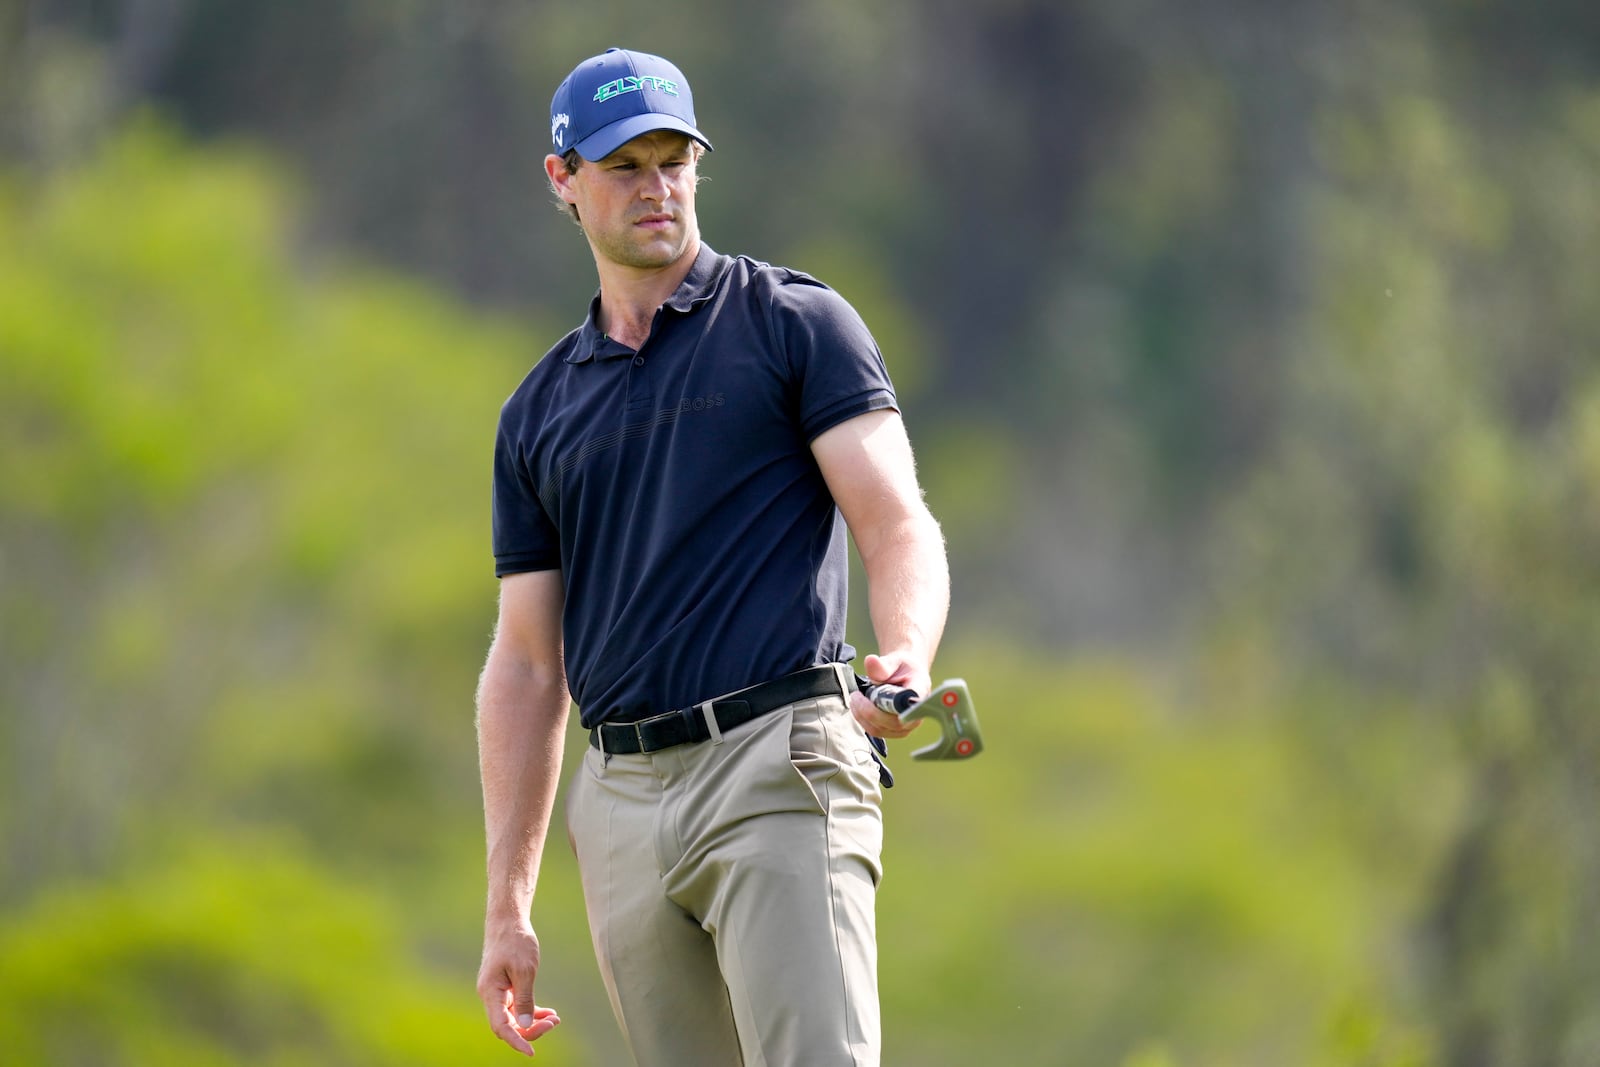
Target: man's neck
pixel 630 297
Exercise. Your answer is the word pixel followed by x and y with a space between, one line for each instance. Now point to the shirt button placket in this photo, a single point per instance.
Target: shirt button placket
pixel 640 395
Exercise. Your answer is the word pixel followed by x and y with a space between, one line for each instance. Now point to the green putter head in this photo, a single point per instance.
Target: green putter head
pixel 950 705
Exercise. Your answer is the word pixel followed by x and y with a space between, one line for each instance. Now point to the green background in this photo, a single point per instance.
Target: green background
pixel 1250 354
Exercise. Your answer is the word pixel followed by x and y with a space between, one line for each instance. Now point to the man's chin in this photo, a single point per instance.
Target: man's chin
pixel 659 252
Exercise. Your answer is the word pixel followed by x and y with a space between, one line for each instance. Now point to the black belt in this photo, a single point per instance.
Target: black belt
pixel 691 724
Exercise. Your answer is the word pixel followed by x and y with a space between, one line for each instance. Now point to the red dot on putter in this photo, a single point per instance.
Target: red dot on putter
pixel 950 700
pixel 964 747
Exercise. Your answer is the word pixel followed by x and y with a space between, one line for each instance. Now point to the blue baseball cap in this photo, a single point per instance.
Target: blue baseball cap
pixel 614 97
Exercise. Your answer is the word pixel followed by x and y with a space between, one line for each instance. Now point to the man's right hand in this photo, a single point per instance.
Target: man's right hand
pixel 505 985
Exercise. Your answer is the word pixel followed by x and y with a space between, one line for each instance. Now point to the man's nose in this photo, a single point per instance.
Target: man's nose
pixel 656 187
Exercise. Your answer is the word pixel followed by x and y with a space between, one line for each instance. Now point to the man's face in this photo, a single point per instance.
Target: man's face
pixel 637 204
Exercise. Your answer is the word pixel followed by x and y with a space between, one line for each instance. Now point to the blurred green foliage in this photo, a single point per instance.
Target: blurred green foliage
pixel 247 588
pixel 1270 484
pixel 238 952
pixel 245 522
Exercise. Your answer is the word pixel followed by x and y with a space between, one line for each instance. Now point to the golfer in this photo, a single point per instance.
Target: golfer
pixel 673 483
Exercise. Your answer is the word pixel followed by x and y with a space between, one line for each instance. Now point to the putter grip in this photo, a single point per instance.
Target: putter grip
pixel 891 698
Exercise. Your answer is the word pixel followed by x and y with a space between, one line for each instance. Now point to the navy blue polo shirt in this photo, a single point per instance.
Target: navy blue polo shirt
pixel 675 489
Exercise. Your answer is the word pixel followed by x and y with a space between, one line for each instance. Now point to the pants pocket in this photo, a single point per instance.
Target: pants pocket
pixel 831 751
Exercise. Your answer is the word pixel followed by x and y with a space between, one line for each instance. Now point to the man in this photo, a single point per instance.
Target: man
pixel 669 485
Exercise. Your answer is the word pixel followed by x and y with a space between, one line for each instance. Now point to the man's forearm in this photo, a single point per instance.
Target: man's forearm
pixel 908 587
pixel 522 712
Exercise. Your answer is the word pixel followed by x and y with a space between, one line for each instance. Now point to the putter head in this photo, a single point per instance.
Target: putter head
pixel 950 704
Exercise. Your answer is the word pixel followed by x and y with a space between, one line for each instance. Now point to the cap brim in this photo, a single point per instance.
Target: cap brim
pixel 608 139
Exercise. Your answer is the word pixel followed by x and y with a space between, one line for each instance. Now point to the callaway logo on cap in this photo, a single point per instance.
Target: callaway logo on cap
pixel 613 98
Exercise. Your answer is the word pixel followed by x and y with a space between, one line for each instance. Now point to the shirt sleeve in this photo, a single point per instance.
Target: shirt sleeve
pixel 836 364
pixel 525 539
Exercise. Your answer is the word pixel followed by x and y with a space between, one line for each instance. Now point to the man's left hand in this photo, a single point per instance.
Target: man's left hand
pixel 894 669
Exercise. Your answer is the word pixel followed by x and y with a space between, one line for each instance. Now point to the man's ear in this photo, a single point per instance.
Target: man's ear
pixel 555 169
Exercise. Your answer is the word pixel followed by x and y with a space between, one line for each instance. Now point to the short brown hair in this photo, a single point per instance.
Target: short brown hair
pixel 572 161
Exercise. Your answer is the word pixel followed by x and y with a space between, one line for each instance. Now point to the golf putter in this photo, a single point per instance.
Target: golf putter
pixel 950 705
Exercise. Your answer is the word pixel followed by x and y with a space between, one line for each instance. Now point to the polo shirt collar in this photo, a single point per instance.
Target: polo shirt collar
pixel 697 287
pixel 701 281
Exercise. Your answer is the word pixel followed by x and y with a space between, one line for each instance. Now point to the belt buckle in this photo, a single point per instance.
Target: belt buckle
pixel 638 730
pixel 607 728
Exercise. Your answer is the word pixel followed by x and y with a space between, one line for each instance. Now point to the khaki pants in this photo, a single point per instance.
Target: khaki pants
pixel 730 889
